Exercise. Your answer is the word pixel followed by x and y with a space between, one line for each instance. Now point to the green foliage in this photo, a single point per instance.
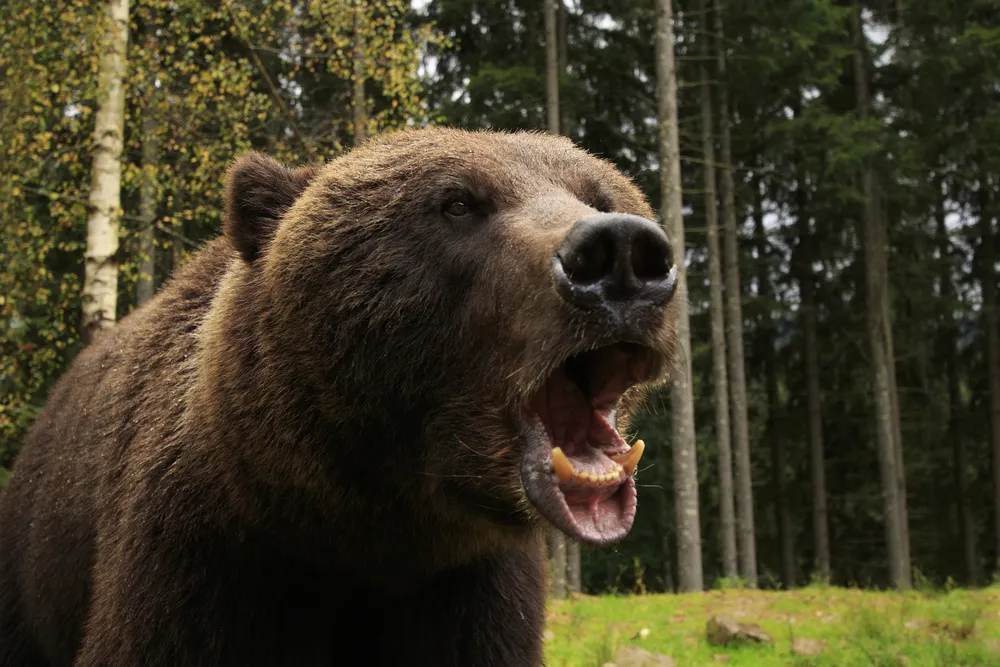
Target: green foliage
pixel 205 81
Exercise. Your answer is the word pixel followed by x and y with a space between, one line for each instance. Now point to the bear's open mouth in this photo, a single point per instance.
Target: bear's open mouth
pixel 576 469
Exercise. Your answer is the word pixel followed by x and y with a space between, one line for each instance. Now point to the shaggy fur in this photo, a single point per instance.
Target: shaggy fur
pixel 303 450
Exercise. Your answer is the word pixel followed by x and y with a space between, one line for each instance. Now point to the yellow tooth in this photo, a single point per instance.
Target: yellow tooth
pixel 585 476
pixel 630 459
pixel 564 469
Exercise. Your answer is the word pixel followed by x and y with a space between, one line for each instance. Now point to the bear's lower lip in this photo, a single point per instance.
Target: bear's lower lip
pixel 576 469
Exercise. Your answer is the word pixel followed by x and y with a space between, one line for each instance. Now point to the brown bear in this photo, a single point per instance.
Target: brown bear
pixel 336 435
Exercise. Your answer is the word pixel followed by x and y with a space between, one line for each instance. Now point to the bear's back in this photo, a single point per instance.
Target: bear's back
pixel 75 447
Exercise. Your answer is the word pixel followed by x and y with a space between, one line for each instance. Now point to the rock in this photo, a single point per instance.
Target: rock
pixel 642 634
pixel 720 657
pixel 806 646
pixel 723 630
pixel 549 635
pixel 633 656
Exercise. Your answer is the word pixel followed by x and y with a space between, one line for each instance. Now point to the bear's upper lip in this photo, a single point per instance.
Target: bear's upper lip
pixel 576 469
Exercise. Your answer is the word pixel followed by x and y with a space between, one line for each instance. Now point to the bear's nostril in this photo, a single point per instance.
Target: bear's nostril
pixel 614 257
pixel 589 262
pixel 650 259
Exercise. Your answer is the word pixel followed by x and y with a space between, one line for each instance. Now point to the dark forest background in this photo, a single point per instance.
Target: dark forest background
pixel 842 118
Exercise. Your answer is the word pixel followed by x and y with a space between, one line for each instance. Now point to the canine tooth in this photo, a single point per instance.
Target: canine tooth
pixel 630 459
pixel 563 468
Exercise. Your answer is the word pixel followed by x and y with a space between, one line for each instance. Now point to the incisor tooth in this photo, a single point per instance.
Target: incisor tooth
pixel 630 459
pixel 564 469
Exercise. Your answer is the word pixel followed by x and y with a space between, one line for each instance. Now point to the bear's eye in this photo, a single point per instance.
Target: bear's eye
pixel 458 208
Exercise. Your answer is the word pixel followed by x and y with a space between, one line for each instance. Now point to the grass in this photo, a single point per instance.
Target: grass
pixel 945 628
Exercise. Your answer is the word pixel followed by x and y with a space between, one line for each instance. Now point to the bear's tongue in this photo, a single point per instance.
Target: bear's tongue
pixel 577 470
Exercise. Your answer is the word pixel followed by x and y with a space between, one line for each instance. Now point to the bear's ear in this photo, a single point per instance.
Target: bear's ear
pixel 258 192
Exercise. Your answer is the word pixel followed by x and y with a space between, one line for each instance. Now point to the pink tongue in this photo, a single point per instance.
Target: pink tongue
pixel 574 424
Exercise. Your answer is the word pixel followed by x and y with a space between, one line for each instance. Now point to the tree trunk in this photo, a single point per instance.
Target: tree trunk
pixel 574 574
pixel 991 329
pixel 782 514
pixel 720 379
pixel 734 321
pixel 551 67
pixel 558 564
pixel 897 434
pixel 814 400
pixel 563 37
pixel 100 284
pixel 689 564
pixel 360 104
pixel 562 547
pixel 879 332
pixel 666 545
pixel 966 532
pixel 147 213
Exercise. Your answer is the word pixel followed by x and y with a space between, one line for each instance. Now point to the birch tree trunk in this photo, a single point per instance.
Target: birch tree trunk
pixel 100 283
pixel 879 331
pixel 734 321
pixel 147 213
pixel 689 565
pixel 814 400
pixel 359 102
pixel 720 378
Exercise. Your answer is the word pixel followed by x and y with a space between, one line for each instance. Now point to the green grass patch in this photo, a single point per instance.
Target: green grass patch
pixel 949 628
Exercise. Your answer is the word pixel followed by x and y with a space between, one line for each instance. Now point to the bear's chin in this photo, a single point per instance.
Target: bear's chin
pixel 576 468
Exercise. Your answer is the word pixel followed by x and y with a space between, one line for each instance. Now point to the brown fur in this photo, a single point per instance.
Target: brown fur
pixel 302 451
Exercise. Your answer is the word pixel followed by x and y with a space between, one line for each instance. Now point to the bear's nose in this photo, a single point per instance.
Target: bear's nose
pixel 614 257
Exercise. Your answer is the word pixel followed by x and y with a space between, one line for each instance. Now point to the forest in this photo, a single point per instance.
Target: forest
pixel 835 417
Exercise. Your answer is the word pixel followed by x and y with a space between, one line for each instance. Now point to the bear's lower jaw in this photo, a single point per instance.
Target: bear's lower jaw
pixel 576 469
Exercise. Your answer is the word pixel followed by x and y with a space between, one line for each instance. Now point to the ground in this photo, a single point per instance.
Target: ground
pixel 951 628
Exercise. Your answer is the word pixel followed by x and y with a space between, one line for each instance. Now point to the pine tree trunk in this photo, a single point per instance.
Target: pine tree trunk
pixel 359 101
pixel 100 285
pixel 557 546
pixel 720 380
pixel 966 531
pixel 879 331
pixel 574 575
pixel 147 213
pixel 897 438
pixel 991 329
pixel 666 545
pixel 561 559
pixel 563 37
pixel 551 67
pixel 689 565
pixel 814 400
pixel 782 514
pixel 734 322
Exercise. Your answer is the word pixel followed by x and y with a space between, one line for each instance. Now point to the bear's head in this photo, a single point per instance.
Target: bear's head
pixel 464 318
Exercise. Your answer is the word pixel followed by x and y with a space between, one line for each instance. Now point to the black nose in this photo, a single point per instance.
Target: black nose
pixel 615 257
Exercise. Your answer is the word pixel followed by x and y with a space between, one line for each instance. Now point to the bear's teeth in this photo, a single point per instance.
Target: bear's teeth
pixel 630 459
pixel 563 468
